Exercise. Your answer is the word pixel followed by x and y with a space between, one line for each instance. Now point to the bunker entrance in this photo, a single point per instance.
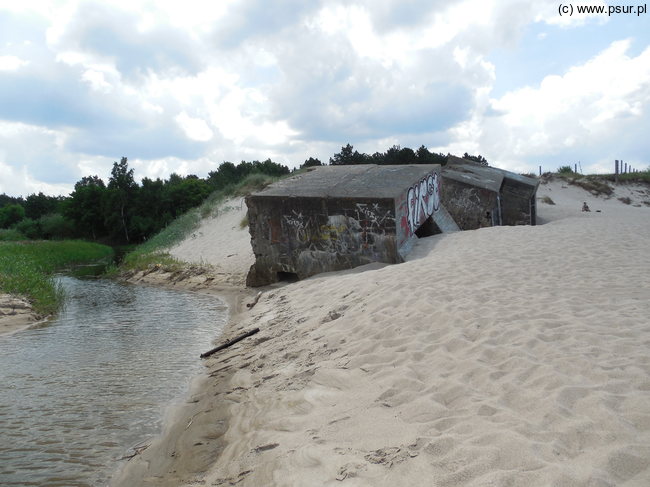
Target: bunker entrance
pixel 287 276
pixel 427 228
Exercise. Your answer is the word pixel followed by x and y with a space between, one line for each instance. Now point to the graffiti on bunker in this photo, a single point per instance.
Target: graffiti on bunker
pixel 422 199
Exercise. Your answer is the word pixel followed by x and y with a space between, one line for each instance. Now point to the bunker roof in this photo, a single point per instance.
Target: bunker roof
pixel 473 174
pixel 360 181
pixel 486 177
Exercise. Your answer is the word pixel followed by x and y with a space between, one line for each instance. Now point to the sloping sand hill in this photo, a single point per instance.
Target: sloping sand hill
pixel 513 356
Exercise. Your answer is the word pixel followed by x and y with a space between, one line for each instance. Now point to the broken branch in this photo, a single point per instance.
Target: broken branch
pixel 229 343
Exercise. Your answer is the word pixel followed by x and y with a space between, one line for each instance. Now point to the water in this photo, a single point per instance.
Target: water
pixel 78 393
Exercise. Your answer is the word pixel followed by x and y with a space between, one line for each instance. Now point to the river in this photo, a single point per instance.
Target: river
pixel 79 392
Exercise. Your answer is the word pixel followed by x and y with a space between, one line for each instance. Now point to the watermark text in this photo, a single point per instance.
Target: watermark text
pixel 569 9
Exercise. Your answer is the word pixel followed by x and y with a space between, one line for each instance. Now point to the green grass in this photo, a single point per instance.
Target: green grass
pixel 26 268
pixel 10 235
pixel 565 170
pixel 154 251
pixel 594 184
pixel 636 177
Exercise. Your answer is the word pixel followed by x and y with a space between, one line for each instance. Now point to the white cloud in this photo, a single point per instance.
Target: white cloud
pixel 582 112
pixel 97 80
pixel 11 63
pixel 19 181
pixel 194 128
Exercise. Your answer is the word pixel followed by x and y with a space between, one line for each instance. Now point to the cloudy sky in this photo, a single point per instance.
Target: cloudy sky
pixel 183 86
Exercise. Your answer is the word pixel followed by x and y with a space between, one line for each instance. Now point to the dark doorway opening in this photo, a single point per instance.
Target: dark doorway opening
pixel 427 228
pixel 287 277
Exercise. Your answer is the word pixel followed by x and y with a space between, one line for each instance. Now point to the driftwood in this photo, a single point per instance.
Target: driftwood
pixel 230 342
pixel 136 451
pixel 257 298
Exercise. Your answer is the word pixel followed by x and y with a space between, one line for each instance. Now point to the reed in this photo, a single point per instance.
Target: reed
pixel 26 268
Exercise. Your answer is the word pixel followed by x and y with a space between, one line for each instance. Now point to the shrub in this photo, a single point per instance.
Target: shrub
pixel 592 184
pixel 11 235
pixel 10 215
pixel 56 227
pixel 565 170
pixel 30 228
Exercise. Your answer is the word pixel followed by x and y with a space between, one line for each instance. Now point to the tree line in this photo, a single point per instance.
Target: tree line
pixel 123 211
pixel 396 155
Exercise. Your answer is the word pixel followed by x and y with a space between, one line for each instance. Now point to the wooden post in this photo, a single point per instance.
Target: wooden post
pixel 616 170
pixel 575 170
pixel 540 170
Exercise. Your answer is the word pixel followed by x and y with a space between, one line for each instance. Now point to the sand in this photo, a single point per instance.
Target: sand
pixel 16 314
pixel 221 242
pixel 507 356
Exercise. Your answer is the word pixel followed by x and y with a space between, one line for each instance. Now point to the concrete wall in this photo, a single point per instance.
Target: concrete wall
pixel 306 236
pixel 470 206
pixel 518 205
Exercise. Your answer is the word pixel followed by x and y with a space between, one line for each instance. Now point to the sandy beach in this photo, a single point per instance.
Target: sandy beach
pixel 506 356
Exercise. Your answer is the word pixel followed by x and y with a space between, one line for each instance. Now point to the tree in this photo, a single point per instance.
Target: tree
pixel 10 200
pixel 424 156
pixel 225 174
pixel 38 205
pixel 271 168
pixel 119 197
pixel 10 215
pixel 398 155
pixel 84 207
pixel 479 159
pixel 311 162
pixel 186 193
pixel 349 156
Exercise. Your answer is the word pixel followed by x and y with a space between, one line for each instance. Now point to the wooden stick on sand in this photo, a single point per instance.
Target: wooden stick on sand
pixel 230 342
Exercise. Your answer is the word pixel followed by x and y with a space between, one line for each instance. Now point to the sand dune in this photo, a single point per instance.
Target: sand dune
pixel 507 356
pixel 222 242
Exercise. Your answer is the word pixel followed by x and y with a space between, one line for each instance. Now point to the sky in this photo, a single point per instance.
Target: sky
pixel 184 86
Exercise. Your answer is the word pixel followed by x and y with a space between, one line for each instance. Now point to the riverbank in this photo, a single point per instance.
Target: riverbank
pixel 192 437
pixel 218 255
pixel 15 314
pixel 27 291
pixel 507 355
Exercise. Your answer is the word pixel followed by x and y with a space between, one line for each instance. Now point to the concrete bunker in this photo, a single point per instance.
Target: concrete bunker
pixel 481 196
pixel 339 217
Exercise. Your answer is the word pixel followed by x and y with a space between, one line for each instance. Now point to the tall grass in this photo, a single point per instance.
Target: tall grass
pixel 26 268
pixel 154 251
pixel 11 235
pixel 637 177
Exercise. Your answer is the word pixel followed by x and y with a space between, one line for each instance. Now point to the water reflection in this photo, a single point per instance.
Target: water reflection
pixel 77 394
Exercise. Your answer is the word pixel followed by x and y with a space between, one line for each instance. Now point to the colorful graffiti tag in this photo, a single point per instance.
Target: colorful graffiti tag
pixel 422 200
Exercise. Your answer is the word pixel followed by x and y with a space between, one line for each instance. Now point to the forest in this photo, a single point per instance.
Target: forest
pixel 123 211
